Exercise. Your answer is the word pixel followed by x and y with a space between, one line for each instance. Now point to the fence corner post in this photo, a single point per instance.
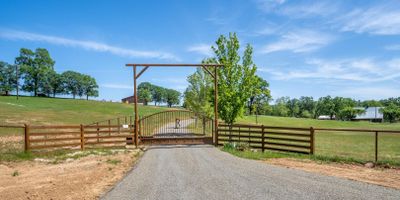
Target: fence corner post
pixel 82 138
pixel 263 138
pixel 26 137
pixel 312 140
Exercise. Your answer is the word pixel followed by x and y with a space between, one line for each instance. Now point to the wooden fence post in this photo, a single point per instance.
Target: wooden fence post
pixel 98 132
pixel 26 137
pixel 376 146
pixel 82 138
pixel 263 138
pixel 119 128
pixel 312 139
pixel 109 127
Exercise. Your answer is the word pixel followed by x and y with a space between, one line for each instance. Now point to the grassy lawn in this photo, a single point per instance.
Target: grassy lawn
pixel 35 110
pixel 347 145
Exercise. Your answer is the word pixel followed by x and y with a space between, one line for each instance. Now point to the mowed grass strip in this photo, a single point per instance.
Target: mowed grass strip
pixel 345 145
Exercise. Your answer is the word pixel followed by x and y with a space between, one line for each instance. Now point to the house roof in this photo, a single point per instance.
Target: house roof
pixel 370 113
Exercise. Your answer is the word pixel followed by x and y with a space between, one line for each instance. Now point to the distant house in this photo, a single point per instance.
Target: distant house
pixel 326 117
pixel 130 99
pixel 371 114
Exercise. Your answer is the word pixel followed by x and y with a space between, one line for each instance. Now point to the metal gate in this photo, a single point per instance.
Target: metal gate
pixel 176 127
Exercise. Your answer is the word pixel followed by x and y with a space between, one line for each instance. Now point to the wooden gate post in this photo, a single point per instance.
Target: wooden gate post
pixel 312 146
pixel 26 137
pixel 216 104
pixel 136 110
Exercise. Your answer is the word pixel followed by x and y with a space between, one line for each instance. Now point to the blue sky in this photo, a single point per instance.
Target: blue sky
pixel 302 48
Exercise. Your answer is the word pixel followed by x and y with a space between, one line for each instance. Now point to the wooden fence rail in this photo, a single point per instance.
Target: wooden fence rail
pixel 289 139
pixel 77 136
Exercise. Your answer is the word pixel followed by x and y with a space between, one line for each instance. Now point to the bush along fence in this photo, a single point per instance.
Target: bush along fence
pixel 289 139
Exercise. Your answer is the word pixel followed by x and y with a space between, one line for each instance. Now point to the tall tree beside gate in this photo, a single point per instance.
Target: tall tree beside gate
pixel 35 66
pixel 236 80
pixel 8 78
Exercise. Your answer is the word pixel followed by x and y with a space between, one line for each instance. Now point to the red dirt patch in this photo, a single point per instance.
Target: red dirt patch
pixel 84 178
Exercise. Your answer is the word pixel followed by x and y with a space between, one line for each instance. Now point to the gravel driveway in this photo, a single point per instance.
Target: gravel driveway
pixel 204 172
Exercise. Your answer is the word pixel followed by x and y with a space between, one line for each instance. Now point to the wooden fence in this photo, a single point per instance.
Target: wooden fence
pixel 289 139
pixel 77 136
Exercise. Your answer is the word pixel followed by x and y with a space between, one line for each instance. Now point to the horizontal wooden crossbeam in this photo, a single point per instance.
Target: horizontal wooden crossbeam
pixel 173 65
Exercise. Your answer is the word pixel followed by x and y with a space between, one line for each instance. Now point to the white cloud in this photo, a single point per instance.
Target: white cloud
pixel 368 92
pixel 378 20
pixel 269 5
pixel 359 70
pixel 116 86
pixel 299 41
pixel 319 8
pixel 88 45
pixel 204 49
pixel 394 47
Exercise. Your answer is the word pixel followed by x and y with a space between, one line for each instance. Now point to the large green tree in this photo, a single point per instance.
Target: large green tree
pixel 325 106
pixel 260 95
pixel 35 67
pixel 8 78
pixel 280 108
pixel 51 83
pixel 293 107
pixel 71 81
pixel 307 107
pixel 158 94
pixel 172 97
pixel 144 95
pixel 89 86
pixel 391 112
pixel 236 80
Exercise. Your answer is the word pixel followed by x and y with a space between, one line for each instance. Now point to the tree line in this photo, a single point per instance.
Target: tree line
pixel 148 92
pixel 339 108
pixel 36 70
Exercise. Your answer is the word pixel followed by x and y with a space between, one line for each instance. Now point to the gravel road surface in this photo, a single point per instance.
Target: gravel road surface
pixel 204 172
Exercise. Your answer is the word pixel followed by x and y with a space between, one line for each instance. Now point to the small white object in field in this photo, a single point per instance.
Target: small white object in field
pixel 125 126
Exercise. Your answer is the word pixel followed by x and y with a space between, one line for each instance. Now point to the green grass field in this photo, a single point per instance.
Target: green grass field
pixel 356 145
pixel 34 110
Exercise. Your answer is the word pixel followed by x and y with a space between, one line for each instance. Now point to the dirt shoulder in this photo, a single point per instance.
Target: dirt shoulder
pixel 84 178
pixel 378 176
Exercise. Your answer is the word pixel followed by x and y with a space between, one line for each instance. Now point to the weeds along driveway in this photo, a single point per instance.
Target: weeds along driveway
pixel 204 172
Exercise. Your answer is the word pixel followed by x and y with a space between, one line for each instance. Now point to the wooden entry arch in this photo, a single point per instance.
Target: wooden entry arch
pixel 204 66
